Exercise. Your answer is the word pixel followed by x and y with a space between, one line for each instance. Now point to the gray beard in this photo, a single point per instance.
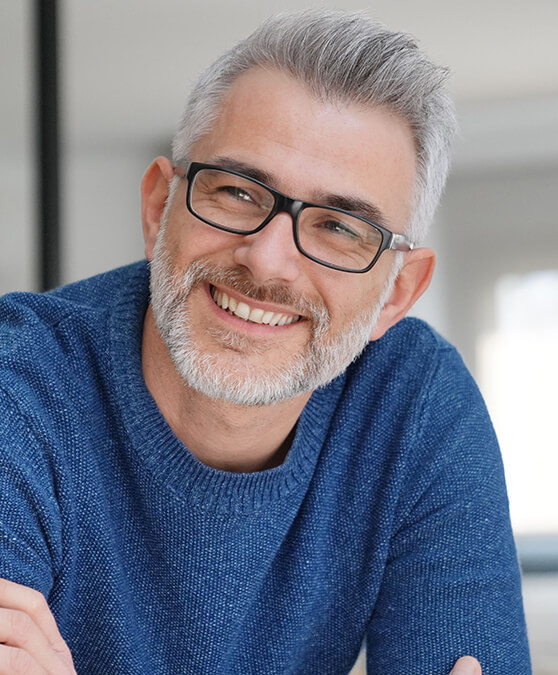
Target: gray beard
pixel 229 375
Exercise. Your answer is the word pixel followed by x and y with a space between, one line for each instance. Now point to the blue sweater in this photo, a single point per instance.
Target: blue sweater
pixel 388 519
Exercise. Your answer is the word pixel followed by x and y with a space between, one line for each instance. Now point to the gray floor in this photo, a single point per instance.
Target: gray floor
pixel 540 592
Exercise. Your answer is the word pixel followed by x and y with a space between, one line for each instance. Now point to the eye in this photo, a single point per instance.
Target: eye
pixel 339 227
pixel 237 193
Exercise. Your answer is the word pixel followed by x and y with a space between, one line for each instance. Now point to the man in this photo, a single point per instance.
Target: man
pixel 214 476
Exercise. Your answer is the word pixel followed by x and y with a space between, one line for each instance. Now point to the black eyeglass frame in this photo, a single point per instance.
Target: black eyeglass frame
pixel 391 241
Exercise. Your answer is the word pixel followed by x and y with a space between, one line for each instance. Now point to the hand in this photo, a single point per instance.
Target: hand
pixel 467 665
pixel 30 642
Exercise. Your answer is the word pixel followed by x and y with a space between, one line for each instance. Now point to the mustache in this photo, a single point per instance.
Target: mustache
pixel 235 278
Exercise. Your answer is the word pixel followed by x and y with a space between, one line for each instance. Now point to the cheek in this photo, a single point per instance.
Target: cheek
pixel 189 239
pixel 351 297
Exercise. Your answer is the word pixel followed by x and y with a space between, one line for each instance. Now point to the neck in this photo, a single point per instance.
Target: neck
pixel 220 434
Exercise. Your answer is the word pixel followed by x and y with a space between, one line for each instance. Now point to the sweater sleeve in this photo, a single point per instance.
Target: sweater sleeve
pixel 30 525
pixel 451 586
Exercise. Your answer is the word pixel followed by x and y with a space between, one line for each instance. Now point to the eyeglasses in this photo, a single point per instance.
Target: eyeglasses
pixel 333 237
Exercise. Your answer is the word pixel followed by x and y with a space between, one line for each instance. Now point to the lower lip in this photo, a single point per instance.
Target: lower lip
pixel 247 326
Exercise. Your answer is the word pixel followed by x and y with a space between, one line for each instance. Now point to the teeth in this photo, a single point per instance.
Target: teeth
pixel 242 310
pixel 255 315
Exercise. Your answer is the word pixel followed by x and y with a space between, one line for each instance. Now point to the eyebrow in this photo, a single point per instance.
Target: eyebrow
pixel 359 207
pixel 246 169
pixel 356 205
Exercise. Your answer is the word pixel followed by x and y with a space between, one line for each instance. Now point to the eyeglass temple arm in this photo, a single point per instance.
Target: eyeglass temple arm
pixel 399 242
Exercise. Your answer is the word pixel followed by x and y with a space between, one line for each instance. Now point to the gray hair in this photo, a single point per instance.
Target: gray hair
pixel 343 57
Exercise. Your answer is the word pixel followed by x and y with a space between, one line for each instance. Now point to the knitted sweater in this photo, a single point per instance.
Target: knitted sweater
pixel 388 518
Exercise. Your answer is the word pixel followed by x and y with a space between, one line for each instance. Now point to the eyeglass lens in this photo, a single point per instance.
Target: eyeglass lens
pixel 240 205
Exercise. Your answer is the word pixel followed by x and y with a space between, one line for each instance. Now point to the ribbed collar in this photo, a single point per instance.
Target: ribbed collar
pixel 169 460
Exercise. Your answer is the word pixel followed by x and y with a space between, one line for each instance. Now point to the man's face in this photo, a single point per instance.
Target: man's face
pixel 294 324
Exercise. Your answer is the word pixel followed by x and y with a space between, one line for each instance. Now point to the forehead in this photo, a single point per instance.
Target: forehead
pixel 311 147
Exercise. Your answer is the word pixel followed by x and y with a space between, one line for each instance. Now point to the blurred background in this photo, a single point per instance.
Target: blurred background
pixel 123 70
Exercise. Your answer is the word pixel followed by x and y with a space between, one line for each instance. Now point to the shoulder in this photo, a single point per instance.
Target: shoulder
pixel 21 311
pixel 408 365
pixel 29 322
pixel 415 403
pixel 429 368
pixel 409 339
pixel 48 340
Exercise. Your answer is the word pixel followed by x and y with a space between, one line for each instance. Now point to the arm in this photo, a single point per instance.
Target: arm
pixel 451 584
pixel 31 643
pixel 30 521
pixel 30 547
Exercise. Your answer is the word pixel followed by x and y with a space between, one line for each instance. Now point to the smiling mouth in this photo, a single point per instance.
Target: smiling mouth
pixel 251 314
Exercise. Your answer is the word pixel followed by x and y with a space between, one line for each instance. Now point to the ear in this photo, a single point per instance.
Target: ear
pixel 154 193
pixel 414 278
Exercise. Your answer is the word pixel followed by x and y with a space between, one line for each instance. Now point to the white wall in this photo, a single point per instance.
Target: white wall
pixel 102 224
pixel 496 223
pixel 17 201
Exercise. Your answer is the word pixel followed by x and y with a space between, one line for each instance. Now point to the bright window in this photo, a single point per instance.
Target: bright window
pixel 518 374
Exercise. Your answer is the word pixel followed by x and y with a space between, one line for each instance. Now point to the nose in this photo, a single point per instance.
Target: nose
pixel 270 254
